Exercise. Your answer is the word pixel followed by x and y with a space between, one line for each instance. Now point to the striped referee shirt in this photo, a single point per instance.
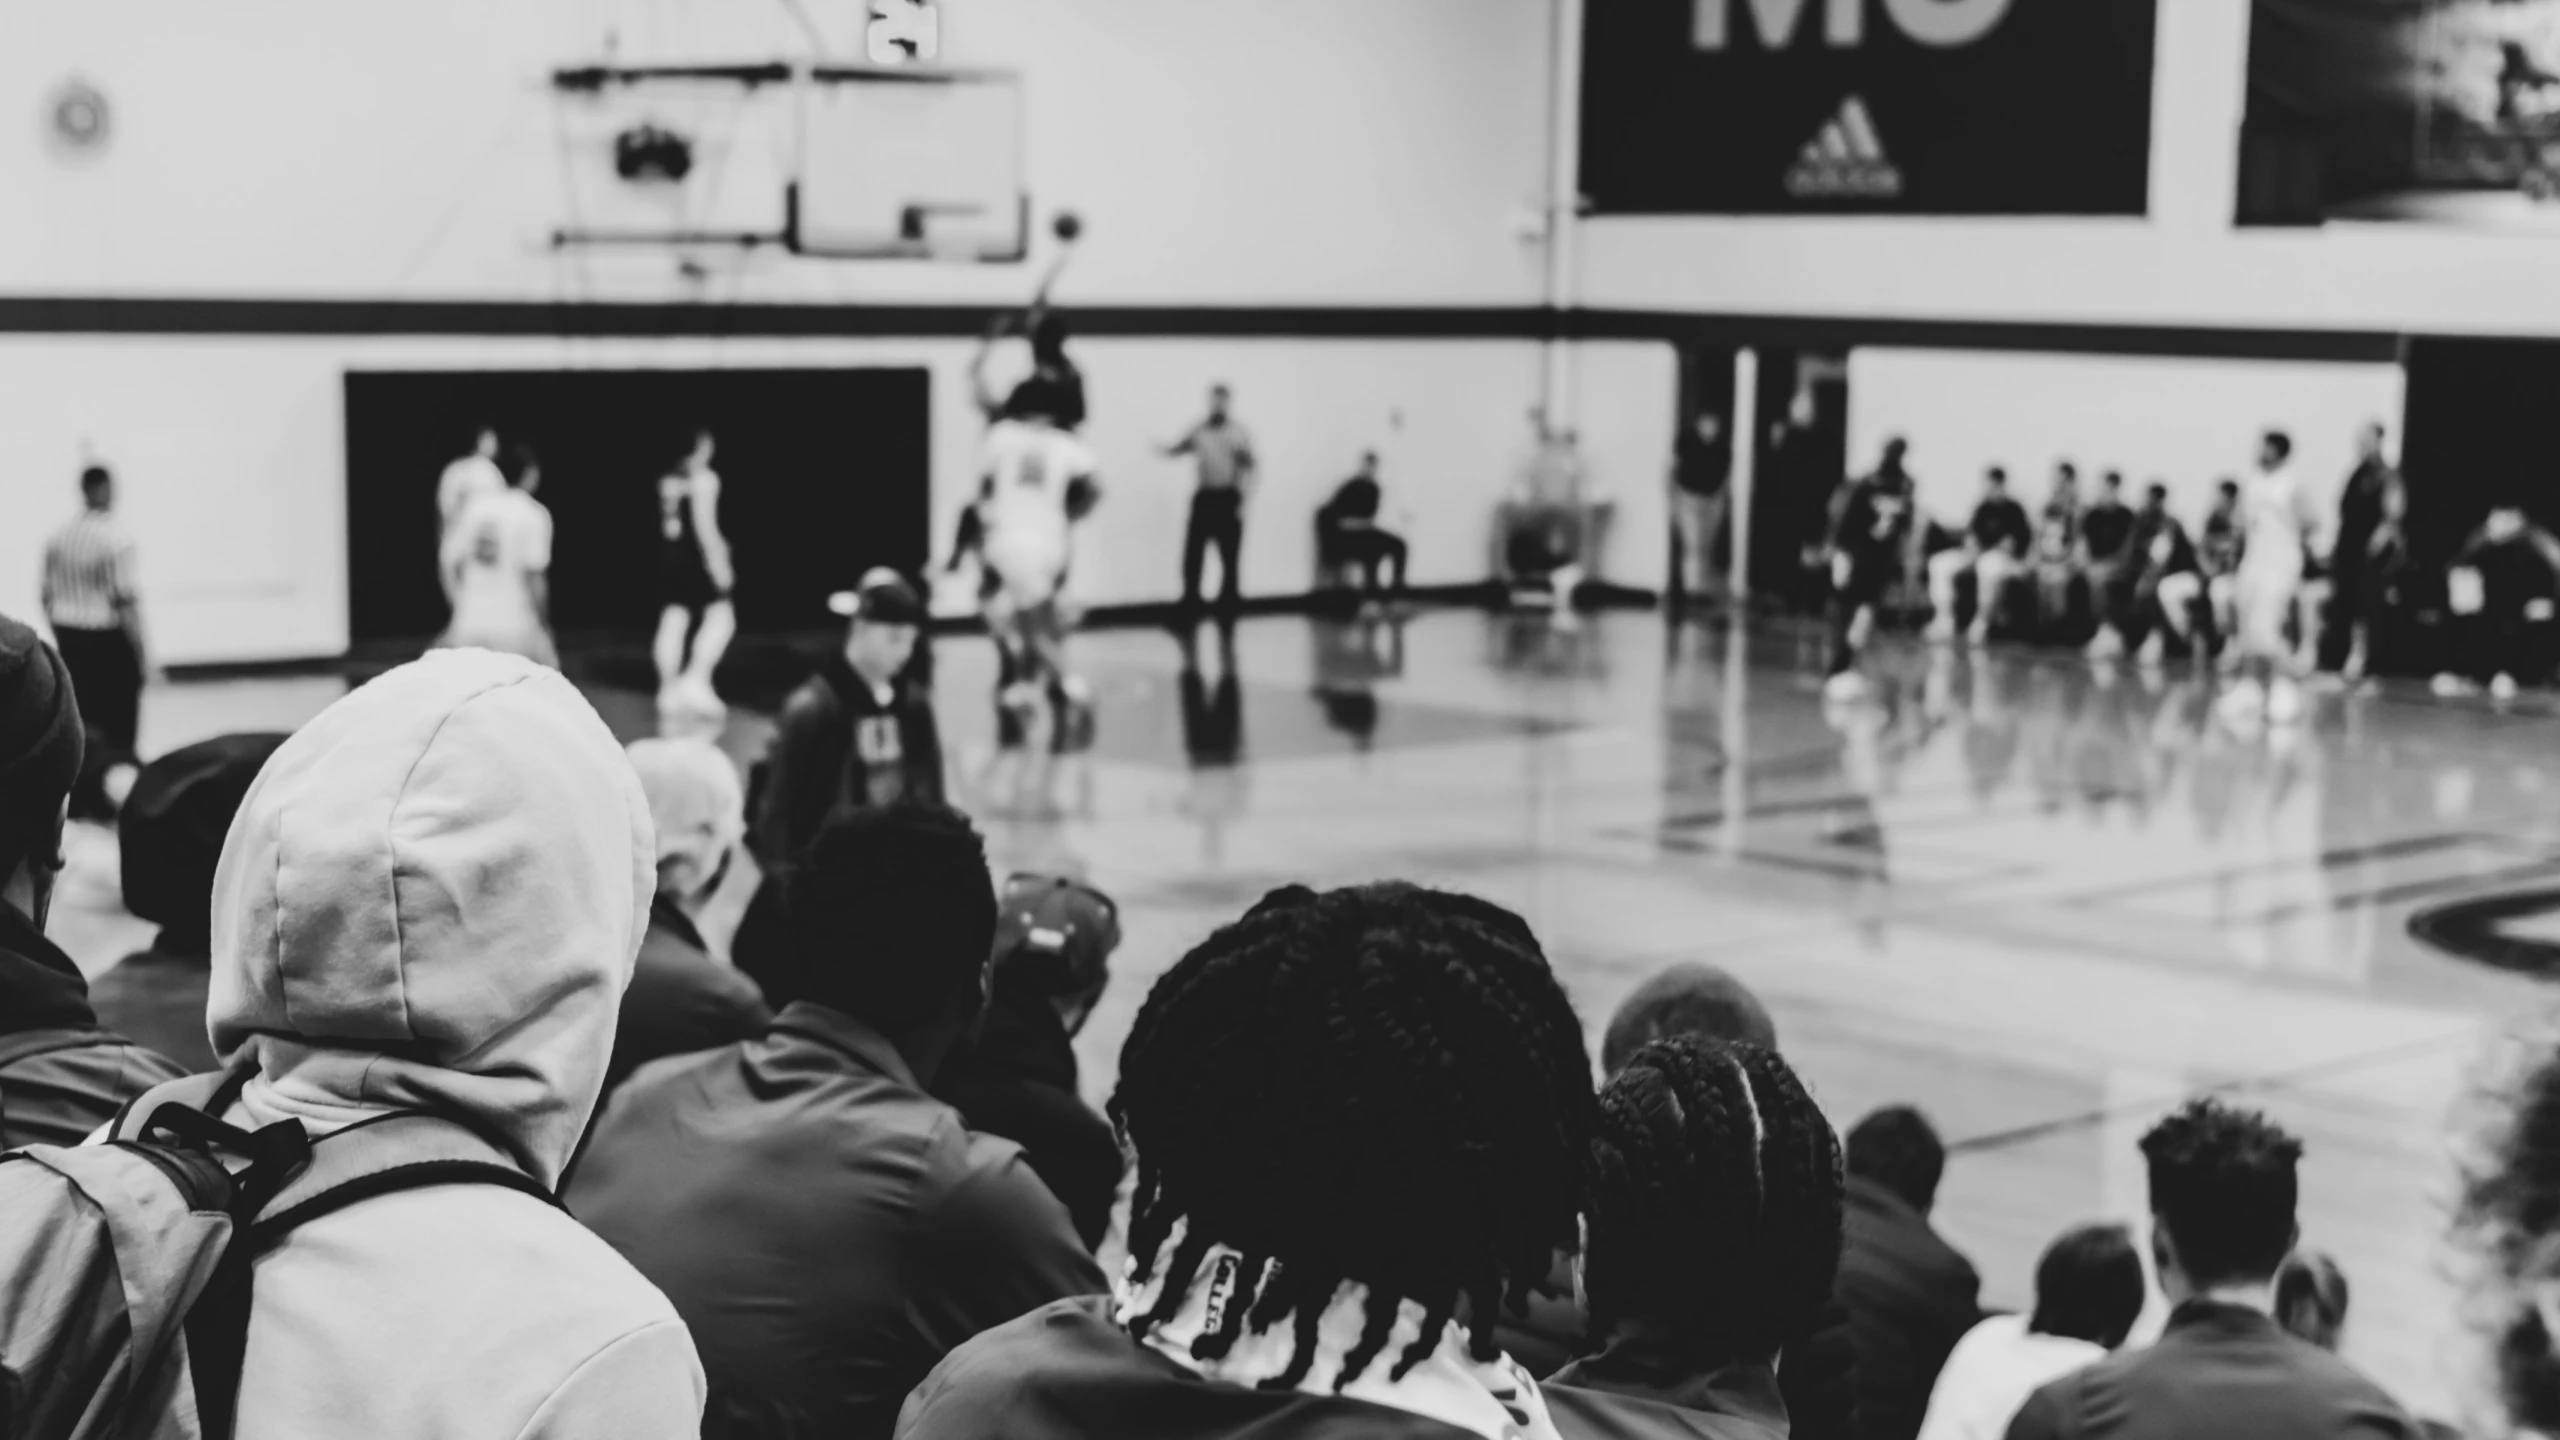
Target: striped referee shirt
pixel 88 573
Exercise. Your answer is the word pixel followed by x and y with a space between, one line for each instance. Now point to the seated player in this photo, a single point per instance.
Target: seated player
pixel 2109 565
pixel 2196 604
pixel 1991 552
pixel 2513 585
pixel 497 565
pixel 1348 533
pixel 2056 553
pixel 2161 553
pixel 1037 481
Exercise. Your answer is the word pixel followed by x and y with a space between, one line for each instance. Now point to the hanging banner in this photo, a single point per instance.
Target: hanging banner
pixel 2432 110
pixel 1913 107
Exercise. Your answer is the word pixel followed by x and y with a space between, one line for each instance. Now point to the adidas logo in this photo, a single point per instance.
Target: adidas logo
pixel 1844 160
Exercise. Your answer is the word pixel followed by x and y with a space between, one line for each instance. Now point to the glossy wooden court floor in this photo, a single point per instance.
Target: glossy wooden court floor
pixel 2041 901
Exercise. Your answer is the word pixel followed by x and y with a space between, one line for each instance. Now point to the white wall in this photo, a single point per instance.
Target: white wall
pixel 1221 151
pixel 2185 423
pixel 230 455
pixel 2184 264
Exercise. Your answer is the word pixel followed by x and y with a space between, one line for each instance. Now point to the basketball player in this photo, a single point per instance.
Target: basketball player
pixel 497 566
pixel 1869 534
pixel 96 615
pixel 695 578
pixel 1037 481
pixel 2278 522
pixel 467 479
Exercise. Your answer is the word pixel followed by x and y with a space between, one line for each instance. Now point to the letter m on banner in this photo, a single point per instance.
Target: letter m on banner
pixel 1844 22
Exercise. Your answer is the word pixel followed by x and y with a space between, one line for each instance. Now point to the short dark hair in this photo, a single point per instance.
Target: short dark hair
pixel 2155 491
pixel 1715 1200
pixel 2089 1286
pixel 2066 470
pixel 1997 475
pixel 93 476
pixel 518 461
pixel 893 915
pixel 2229 487
pixel 2222 1185
pixel 1686 999
pixel 1898 1148
pixel 1383 1085
pixel 2113 479
pixel 2282 442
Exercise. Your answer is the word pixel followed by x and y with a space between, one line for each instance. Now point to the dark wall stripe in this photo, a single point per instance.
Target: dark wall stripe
pixel 80 315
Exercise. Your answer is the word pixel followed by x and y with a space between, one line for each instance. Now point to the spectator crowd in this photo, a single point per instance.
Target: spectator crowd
pixel 430 1112
pixel 2098 563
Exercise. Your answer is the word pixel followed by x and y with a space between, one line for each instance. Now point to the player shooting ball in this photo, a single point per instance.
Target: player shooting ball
pixel 1036 481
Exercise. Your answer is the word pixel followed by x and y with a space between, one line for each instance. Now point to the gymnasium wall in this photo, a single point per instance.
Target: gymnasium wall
pixel 1225 154
pixel 2184 423
pixel 2183 265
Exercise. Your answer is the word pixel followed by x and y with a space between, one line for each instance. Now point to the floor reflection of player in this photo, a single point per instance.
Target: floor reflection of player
pixel 1213 738
pixel 1351 657
pixel 696 576
pixel 497 563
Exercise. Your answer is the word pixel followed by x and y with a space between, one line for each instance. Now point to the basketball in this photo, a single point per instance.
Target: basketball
pixel 1067 226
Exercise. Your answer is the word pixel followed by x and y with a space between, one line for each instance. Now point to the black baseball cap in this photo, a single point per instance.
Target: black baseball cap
pixel 884 597
pixel 1056 933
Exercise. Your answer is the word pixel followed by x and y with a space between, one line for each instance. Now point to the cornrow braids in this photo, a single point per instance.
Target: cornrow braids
pixel 1380 1085
pixel 1716 1199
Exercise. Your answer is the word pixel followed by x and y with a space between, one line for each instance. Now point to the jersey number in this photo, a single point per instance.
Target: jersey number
pixel 484 546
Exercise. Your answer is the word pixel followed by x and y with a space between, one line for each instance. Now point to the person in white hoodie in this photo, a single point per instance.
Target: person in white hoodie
pixel 431 898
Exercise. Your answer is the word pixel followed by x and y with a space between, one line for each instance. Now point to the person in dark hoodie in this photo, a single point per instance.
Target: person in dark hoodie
pixel 1691 1001
pixel 62 1074
pixel 681 1000
pixel 1017 1079
pixel 858 735
pixel 1909 1295
pixel 1362 1120
pixel 170 835
pixel 1714 1237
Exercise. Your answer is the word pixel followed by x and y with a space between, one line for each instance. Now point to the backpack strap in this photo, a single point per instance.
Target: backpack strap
pixel 403 1150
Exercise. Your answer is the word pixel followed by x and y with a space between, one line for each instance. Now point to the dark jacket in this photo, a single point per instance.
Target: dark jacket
pixel 1817 1377
pixel 837 748
pixel 1068 1372
pixel 2218 1370
pixel 827 1230
pixel 1019 1082
pixel 680 999
pixel 1910 1298
pixel 62 1074
pixel 1636 1391
pixel 155 998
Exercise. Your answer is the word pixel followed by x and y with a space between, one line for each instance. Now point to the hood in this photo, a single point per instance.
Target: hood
pixel 432 896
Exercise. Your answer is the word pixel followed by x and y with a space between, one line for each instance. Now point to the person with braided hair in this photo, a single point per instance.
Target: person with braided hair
pixel 1362 1121
pixel 1714 1238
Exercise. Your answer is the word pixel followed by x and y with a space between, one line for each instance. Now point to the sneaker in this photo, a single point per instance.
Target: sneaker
pixel 2107 644
pixel 2284 703
pixel 1942 631
pixel 2155 651
pixel 1846 686
pixel 1979 636
pixel 2502 686
pixel 2448 686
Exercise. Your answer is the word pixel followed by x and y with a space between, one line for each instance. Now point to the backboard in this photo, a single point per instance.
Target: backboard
pixel 906 162
pixel 846 162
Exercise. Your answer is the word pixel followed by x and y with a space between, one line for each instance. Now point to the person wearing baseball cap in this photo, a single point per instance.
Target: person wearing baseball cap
pixel 860 734
pixel 1054 938
pixel 62 1074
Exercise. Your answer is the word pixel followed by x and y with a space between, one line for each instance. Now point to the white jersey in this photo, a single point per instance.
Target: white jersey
pixel 2277 519
pixel 1029 470
pixel 493 550
pixel 464 481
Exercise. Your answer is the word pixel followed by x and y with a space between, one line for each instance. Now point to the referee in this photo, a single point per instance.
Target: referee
pixel 97 622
